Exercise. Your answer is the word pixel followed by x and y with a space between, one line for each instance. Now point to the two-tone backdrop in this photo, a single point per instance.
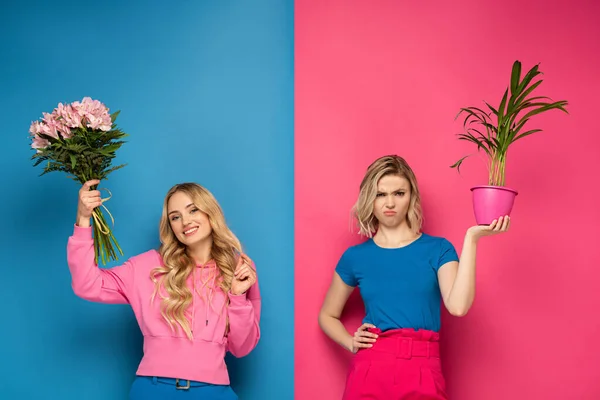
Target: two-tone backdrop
pixel 278 107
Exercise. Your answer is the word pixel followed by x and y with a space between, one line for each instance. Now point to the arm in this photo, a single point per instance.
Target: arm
pixel 343 283
pixel 90 282
pixel 331 311
pixel 244 315
pixel 457 279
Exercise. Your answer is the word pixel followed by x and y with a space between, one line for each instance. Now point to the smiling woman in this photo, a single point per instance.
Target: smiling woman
pixel 206 90
pixel 209 297
pixel 188 223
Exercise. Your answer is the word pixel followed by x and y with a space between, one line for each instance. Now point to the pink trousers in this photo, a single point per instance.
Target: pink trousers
pixel 403 364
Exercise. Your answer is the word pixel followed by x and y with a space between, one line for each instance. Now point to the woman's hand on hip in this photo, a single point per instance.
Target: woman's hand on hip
pixel 363 339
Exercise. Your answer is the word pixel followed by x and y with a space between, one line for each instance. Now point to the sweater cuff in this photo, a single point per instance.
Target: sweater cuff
pixel 82 233
pixel 237 300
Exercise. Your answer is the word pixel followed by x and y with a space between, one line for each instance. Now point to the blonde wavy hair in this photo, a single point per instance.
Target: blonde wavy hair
pixel 178 265
pixel 362 211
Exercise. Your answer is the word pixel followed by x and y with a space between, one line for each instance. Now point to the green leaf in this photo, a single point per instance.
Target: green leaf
pixel 501 107
pixel 112 169
pixel 474 117
pixel 491 108
pixel 459 163
pixel 516 76
pixel 73 161
pixel 113 116
pixel 533 72
pixel 473 111
pixel 477 131
pixel 558 105
pixel 544 107
pixel 531 132
pixel 530 100
pixel 470 138
pixel 523 96
pixel 487 139
pixel 529 105
pixel 517 125
pixel 479 110
pixel 497 144
pixel 490 127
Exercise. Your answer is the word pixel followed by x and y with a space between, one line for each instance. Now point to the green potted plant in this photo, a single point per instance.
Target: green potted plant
pixel 493 132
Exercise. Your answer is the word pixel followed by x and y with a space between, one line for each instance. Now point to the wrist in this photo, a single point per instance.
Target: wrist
pixel 349 344
pixel 471 237
pixel 82 222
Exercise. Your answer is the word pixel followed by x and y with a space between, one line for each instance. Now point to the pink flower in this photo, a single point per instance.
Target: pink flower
pixel 50 125
pixel 68 115
pixel 93 121
pixel 65 117
pixel 106 123
pixel 39 143
pixel 64 130
pixel 53 125
pixel 35 128
pixel 94 113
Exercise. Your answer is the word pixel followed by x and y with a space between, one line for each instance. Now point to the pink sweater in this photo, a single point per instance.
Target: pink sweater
pixel 167 353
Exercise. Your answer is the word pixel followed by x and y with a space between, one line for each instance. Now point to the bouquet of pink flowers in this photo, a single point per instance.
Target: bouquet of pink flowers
pixel 81 139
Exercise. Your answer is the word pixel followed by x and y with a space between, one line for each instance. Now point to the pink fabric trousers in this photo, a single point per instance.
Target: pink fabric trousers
pixel 403 364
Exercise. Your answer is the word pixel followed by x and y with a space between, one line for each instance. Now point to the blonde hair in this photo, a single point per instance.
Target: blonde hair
pixel 178 265
pixel 362 210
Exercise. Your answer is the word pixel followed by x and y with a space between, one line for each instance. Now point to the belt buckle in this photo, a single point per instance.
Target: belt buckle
pixel 182 387
pixel 405 347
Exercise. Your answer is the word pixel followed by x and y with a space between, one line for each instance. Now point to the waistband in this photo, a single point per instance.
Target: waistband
pixel 404 343
pixel 178 357
pixel 178 383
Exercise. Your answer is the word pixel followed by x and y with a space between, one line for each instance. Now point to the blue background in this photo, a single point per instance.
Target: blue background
pixel 205 91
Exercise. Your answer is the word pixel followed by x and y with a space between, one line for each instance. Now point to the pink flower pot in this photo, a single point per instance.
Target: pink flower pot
pixel 492 202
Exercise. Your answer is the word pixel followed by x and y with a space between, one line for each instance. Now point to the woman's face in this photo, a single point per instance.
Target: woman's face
pixel 392 200
pixel 190 225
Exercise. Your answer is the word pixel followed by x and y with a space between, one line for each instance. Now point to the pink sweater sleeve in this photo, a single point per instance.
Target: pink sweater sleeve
pixel 244 321
pixel 91 283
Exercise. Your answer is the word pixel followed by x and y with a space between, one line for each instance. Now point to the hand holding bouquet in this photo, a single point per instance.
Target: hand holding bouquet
pixel 81 139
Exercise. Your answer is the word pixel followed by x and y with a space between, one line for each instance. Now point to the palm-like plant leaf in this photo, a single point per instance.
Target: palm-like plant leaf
pixel 514 111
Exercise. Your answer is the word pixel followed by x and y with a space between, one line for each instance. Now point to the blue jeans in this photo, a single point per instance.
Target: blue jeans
pixel 150 388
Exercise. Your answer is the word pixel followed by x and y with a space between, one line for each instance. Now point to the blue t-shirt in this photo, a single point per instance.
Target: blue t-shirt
pixel 399 287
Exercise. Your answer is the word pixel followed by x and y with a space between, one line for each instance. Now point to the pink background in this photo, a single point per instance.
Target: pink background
pixel 375 78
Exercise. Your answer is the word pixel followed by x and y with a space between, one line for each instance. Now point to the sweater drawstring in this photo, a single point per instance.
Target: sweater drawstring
pixel 209 295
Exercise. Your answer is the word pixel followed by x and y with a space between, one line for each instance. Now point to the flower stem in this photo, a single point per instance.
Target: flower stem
pixel 105 241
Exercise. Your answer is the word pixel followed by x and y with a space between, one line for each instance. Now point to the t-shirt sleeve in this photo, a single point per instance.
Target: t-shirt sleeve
pixel 345 270
pixel 447 253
